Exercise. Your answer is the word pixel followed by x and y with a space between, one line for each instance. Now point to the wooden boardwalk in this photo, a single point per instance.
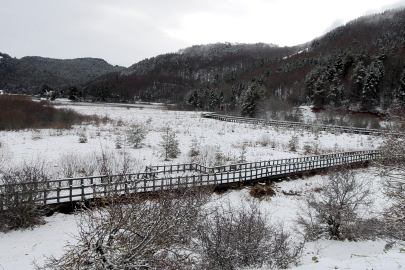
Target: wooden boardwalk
pixel 163 177
pixel 157 178
pixel 296 125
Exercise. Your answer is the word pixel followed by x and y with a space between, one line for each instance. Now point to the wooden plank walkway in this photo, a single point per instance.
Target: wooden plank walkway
pixel 296 125
pixel 157 178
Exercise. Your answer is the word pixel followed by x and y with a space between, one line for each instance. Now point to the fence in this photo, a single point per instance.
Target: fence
pixel 164 177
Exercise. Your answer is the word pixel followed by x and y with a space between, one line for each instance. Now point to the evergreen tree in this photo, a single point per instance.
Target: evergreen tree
pixel 192 98
pixel 221 99
pixel 336 92
pixel 137 135
pixel 233 98
pixel 374 73
pixel 213 100
pixel 250 98
pixel 359 73
pixel 169 145
pixel 319 91
pixel 401 89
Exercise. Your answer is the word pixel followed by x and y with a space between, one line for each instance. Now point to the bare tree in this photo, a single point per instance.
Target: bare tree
pixel 137 232
pixel 334 210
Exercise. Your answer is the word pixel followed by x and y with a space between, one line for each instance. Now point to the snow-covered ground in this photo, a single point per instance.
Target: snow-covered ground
pixel 19 248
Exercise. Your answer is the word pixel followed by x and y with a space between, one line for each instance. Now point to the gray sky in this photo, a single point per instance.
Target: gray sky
pixel 123 32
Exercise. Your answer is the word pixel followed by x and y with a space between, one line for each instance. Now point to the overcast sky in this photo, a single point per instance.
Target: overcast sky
pixel 124 32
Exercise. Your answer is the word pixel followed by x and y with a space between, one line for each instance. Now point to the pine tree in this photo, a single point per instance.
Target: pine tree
pixel 319 91
pixel 250 98
pixel 169 145
pixel 213 100
pixel 221 99
pixel 336 92
pixel 137 135
pixel 232 99
pixel 374 73
pixel 401 89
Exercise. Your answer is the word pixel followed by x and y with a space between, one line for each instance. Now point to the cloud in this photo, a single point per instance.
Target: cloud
pixel 127 31
pixel 333 25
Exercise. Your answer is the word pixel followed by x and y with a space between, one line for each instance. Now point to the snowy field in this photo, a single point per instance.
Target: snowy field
pixel 230 140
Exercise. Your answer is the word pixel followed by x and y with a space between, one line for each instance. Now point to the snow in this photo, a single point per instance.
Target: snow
pixel 18 249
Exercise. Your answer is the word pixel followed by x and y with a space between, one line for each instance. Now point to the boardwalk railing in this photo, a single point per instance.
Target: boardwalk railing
pixel 298 125
pixel 193 167
pixel 165 177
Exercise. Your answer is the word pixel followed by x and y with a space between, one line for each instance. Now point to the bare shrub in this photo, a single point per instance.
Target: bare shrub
pixel 242 154
pixel 68 164
pixel 210 155
pixel 82 138
pixel 108 162
pixel 5 155
pixel 235 238
pixel 264 140
pixel 194 148
pixel 311 147
pixel 391 167
pixel 293 143
pixel 136 233
pixel 21 189
pixel 335 209
pixel 19 112
pixel 116 162
pixel 260 191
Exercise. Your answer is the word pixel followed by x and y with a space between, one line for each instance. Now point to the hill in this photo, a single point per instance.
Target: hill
pixel 28 74
pixel 357 66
